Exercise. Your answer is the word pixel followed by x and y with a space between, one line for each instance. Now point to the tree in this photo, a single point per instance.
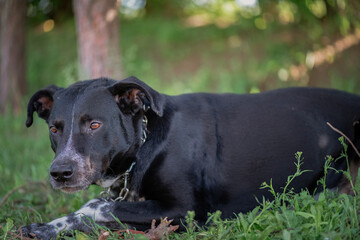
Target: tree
pixel 98 38
pixel 12 72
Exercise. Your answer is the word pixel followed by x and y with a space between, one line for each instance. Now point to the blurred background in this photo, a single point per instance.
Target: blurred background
pixel 180 45
pixel 175 46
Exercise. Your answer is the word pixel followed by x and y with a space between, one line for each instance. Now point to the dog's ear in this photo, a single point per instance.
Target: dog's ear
pixel 131 94
pixel 41 102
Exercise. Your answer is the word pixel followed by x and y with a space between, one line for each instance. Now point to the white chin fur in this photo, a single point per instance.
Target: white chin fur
pixel 107 182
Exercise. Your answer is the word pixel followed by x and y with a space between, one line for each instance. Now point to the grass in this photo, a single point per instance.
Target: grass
pixel 175 59
pixel 289 216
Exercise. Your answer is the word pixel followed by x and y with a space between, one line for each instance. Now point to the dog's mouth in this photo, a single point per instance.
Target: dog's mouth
pixel 71 189
pixel 72 185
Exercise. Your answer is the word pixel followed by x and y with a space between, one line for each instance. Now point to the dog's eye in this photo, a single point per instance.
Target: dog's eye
pixel 53 129
pixel 94 125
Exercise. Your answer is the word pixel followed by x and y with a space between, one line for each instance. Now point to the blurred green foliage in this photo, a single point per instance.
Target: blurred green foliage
pixel 208 45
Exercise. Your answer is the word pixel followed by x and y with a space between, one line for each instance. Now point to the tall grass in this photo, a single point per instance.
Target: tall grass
pixel 288 216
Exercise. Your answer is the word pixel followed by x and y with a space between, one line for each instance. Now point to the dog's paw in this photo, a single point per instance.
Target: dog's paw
pixel 42 231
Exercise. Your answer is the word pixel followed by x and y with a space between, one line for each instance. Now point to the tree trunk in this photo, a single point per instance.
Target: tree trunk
pixel 97 25
pixel 12 72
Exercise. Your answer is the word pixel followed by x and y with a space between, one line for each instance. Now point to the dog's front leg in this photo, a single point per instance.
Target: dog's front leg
pixel 96 210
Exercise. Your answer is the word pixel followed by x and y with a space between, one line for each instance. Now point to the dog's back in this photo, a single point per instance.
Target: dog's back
pixel 229 144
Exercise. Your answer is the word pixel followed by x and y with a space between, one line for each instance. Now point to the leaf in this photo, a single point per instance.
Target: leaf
pixel 162 230
pixel 321 197
pixel 286 235
pixel 9 225
pixel 81 236
pixel 305 215
pixel 155 233
pixel 103 235
pixel 140 237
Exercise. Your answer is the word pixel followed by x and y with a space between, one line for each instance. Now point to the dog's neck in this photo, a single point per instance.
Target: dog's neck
pixel 121 182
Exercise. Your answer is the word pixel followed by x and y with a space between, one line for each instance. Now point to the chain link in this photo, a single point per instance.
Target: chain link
pixel 106 194
pixel 144 131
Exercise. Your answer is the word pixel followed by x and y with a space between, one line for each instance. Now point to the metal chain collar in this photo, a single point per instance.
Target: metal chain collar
pixel 106 194
pixel 145 123
pixel 144 130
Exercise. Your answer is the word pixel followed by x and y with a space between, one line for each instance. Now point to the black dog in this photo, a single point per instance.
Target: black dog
pixel 200 152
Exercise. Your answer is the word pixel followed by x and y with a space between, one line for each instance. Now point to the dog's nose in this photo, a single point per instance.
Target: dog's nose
pixel 61 172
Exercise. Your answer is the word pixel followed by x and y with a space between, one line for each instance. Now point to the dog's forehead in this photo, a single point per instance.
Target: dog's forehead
pixel 99 97
pixel 63 102
pixel 82 100
pixel 97 102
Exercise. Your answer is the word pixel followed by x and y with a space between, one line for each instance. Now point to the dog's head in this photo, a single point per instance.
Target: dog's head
pixel 95 128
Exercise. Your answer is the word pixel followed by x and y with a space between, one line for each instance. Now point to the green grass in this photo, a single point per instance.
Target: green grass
pixel 174 59
pixel 289 216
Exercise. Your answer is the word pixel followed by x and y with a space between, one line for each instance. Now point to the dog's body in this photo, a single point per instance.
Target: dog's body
pixel 200 152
